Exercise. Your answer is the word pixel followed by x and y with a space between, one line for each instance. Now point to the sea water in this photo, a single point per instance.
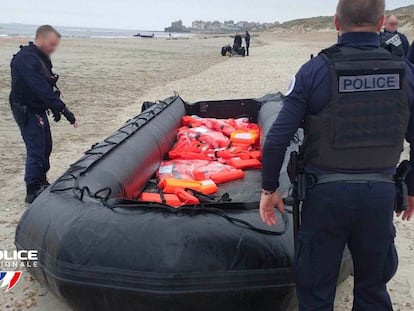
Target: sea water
pixel 23 30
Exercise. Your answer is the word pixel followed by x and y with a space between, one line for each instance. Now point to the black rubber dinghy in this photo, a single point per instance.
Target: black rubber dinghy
pixel 100 249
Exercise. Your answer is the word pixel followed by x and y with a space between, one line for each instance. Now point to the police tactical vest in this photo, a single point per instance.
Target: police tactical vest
pixel 45 70
pixel 364 125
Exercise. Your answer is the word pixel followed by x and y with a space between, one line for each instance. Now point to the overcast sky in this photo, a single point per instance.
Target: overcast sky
pixel 156 14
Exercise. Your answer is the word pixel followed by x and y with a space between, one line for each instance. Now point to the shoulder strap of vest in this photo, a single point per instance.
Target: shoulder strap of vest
pixel 46 71
pixel 43 67
pixel 336 54
pixel 330 52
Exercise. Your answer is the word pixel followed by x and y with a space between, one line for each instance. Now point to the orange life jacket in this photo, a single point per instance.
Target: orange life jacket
pixel 220 125
pixel 227 176
pixel 170 185
pixel 217 172
pixel 248 137
pixel 245 164
pixel 204 135
pixel 186 198
pixel 169 199
pixel 180 169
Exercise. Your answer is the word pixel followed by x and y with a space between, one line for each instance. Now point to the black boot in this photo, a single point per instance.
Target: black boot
pixel 33 191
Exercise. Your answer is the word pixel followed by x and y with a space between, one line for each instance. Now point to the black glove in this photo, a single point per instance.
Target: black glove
pixel 69 116
pixel 56 115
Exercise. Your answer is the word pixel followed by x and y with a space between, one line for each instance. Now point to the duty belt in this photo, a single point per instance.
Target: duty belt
pixel 313 180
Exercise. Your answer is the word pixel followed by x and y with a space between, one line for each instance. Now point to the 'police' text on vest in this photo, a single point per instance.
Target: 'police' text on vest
pixel 369 83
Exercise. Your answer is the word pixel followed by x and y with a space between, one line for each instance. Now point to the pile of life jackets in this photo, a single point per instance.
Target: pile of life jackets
pixel 208 152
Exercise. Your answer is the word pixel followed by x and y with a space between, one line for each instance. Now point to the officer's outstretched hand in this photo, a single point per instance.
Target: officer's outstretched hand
pixel 409 213
pixel 267 207
pixel 70 117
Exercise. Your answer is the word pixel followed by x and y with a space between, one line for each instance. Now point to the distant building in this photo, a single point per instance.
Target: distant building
pixel 243 25
pixel 199 25
pixel 229 26
pixel 177 26
pixel 216 25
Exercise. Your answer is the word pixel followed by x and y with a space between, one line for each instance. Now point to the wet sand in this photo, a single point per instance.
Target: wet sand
pixel 104 82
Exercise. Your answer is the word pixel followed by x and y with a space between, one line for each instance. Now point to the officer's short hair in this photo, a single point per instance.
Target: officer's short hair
pixel 45 29
pixel 360 13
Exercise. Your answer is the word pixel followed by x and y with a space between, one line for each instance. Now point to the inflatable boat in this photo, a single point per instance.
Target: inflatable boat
pixel 101 249
pixel 139 35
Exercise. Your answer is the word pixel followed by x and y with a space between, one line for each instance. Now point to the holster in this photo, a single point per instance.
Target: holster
pixel 401 200
pixel 19 113
pixel 301 181
pixel 297 177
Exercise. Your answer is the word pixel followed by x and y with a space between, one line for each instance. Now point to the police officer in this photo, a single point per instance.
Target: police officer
pixel 411 53
pixel 353 101
pixel 393 40
pixel 247 38
pixel 33 94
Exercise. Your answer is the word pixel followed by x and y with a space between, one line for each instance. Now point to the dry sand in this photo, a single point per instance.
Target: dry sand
pixel 105 82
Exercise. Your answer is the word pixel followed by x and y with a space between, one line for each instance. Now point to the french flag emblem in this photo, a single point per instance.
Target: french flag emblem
pixel 9 279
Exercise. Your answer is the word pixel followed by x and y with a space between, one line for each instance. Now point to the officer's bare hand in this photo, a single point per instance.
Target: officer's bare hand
pixel 267 207
pixel 409 213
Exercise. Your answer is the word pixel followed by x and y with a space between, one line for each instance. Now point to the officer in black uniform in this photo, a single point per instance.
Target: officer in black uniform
pixel 353 102
pixel 411 53
pixel 33 93
pixel 392 40
pixel 247 38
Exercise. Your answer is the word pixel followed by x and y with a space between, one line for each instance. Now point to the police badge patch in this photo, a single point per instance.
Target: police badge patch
pixel 291 86
pixel 395 41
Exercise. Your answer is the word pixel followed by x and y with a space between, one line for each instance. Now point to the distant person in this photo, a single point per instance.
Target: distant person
pixel 33 94
pixel 238 48
pixel 247 38
pixel 237 42
pixel 394 41
pixel 411 53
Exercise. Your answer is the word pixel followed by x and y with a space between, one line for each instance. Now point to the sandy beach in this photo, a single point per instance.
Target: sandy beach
pixel 105 81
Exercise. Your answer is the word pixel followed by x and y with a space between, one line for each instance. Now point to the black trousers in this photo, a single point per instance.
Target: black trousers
pixel 359 215
pixel 38 140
